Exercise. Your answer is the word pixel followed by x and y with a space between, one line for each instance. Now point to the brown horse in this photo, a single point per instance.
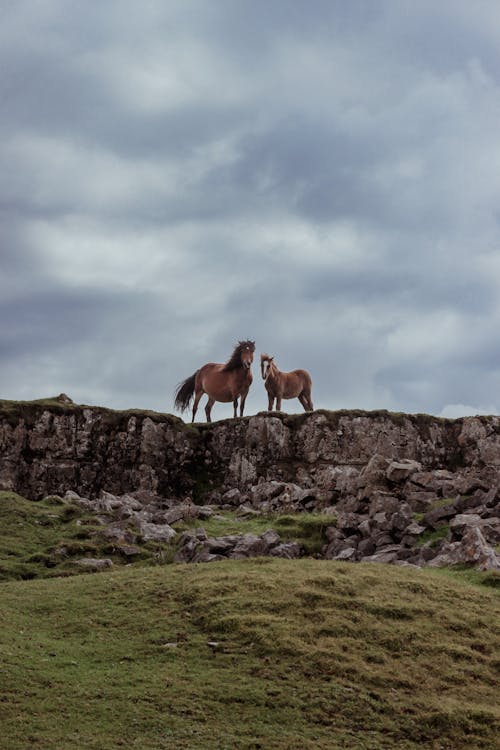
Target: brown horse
pixel 226 382
pixel 295 384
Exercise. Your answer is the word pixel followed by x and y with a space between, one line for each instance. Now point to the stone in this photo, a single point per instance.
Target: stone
pixel 288 550
pixel 387 554
pixel 347 554
pixel 471 550
pixel 64 399
pixel 232 497
pixel 181 513
pixel 383 502
pixel 152 532
pixel 366 547
pixel 374 473
pixel 94 565
pixel 249 545
pixel 371 470
pixel 435 518
pixel 118 531
pixel 400 471
pixel 489 527
pixel 414 529
pixel 418 499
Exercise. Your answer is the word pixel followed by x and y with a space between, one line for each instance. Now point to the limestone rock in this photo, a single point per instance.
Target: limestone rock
pixel 94 565
pixel 471 550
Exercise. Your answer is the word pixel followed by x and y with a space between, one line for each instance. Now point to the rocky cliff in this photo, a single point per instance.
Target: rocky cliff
pixel 387 479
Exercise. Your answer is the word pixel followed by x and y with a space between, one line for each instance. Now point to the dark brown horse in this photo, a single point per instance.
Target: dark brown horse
pixel 226 382
pixel 295 384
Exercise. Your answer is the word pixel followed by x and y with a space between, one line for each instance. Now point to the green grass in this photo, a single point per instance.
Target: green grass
pixel 44 539
pixel 309 654
pixel 306 528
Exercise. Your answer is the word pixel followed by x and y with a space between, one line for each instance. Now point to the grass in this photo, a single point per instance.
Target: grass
pixel 44 539
pixel 306 528
pixel 272 654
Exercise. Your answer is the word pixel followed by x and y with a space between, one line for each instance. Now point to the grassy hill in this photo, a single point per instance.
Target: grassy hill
pixel 270 654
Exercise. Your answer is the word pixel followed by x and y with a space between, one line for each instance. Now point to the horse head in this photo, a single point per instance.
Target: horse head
pixel 247 349
pixel 265 365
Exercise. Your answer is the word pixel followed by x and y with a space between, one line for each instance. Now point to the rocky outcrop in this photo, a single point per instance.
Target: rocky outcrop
pixel 196 546
pixel 400 487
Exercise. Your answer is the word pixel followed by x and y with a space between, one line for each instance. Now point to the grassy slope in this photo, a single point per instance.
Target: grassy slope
pixel 43 539
pixel 310 654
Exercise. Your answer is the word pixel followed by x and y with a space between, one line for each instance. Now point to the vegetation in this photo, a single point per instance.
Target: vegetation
pixel 272 654
pixel 45 539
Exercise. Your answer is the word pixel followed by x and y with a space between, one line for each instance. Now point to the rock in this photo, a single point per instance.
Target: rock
pixel 64 399
pixel 402 518
pixel 94 565
pixel 435 518
pixel 489 527
pixel 289 550
pixel 383 502
pixel 232 497
pixel 366 547
pixel 349 553
pixel 250 545
pixel 182 512
pixel 386 554
pixel 414 530
pixel 334 549
pixel 373 476
pixel 400 471
pixel 418 499
pixel 152 532
pixel 372 471
pixel 471 550
pixel 118 531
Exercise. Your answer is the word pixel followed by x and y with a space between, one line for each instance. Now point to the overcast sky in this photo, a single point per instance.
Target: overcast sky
pixel 321 176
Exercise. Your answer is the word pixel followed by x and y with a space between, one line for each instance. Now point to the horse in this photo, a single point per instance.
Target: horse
pixel 221 382
pixel 295 384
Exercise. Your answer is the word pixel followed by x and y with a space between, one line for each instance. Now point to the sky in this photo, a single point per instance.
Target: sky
pixel 320 176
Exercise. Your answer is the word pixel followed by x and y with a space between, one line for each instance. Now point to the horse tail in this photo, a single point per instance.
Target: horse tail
pixel 184 393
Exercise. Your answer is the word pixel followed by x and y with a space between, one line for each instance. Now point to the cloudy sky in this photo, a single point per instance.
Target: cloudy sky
pixel 321 176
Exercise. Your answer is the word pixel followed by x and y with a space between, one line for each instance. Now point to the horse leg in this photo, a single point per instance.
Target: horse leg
pixel 235 407
pixel 196 401
pixel 305 400
pixel 309 400
pixel 208 408
pixel 271 402
pixel 278 403
pixel 243 398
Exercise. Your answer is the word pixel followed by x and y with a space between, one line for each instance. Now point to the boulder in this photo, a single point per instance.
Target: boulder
pixel 387 554
pixel 471 550
pixel 489 527
pixel 400 471
pixel 94 565
pixel 152 532
pixel 288 550
pixel 435 518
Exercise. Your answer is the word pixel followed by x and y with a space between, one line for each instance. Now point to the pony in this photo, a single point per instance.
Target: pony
pixel 295 384
pixel 221 382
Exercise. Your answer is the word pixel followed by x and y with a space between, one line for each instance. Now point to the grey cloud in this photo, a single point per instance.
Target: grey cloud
pixel 283 122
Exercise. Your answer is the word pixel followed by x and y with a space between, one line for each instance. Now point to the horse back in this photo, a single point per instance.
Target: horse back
pixel 303 376
pixel 221 384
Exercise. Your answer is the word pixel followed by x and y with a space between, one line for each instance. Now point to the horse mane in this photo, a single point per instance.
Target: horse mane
pixel 234 362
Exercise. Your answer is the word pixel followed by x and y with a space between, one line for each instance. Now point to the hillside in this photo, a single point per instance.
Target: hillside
pixel 254 651
pixel 269 654
pixel 397 488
